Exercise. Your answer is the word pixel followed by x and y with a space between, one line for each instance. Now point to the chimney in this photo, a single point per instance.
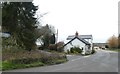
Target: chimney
pixel 76 34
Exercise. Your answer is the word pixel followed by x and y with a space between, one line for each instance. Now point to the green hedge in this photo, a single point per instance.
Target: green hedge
pixel 26 63
pixel 89 53
pixel 75 50
pixel 30 59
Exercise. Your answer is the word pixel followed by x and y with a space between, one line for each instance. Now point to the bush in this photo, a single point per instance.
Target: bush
pixel 25 60
pixel 53 47
pixel 30 59
pixel 75 50
pixel 60 49
pixel 93 51
pixel 8 65
pixel 68 52
pixel 106 46
pixel 41 48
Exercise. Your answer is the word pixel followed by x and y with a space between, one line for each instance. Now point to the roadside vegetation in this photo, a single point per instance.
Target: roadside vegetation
pixel 113 43
pixel 78 51
pixel 20 50
pixel 74 50
pixel 15 59
pixel 113 49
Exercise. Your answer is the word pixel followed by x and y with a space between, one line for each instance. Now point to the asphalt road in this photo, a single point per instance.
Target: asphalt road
pixel 102 61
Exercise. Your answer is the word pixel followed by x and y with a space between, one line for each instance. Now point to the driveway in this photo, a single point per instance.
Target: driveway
pixel 102 61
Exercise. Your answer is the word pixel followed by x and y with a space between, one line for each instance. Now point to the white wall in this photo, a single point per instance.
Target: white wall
pixel 76 43
pixel 91 42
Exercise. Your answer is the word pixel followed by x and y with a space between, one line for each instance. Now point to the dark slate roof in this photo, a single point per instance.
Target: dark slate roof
pixel 80 37
pixel 84 41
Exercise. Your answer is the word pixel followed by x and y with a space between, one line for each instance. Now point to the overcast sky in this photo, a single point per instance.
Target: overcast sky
pixel 96 17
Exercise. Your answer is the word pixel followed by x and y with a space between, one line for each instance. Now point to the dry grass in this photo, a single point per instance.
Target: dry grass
pixel 32 54
pixel 14 59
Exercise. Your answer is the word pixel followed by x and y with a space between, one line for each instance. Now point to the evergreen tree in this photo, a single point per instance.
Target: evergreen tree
pixel 52 39
pixel 48 37
pixel 18 19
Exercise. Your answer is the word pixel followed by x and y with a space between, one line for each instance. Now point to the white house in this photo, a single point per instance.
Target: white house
pixel 82 41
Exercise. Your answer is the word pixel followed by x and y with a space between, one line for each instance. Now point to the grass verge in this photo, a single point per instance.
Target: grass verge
pixel 14 59
pixel 7 65
pixel 0 65
pixel 116 50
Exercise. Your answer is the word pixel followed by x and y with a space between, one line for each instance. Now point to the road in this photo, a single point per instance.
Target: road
pixel 102 61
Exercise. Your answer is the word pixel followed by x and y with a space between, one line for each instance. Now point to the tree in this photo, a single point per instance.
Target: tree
pixel 46 35
pixel 113 42
pixel 60 47
pixel 52 39
pixel 18 19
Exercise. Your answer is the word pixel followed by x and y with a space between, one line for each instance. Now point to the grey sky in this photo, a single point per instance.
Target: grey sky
pixel 96 17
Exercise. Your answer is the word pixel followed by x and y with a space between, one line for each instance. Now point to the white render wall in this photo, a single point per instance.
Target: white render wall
pixel 90 41
pixel 75 43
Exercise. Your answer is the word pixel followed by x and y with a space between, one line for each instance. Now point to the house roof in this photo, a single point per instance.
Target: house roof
pixel 84 41
pixel 80 37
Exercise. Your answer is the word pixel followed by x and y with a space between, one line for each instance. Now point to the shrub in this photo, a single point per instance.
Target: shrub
pixel 68 51
pixel 75 50
pixel 93 51
pixel 25 60
pixel 53 47
pixel 113 42
pixel 90 52
pixel 56 47
pixel 14 56
pixel 41 48
pixel 106 46
pixel 60 47
pixel 29 59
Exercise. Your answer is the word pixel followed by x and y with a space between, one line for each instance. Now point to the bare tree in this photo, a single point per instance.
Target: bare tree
pixel 113 42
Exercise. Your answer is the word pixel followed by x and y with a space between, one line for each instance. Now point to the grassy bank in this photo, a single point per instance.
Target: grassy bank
pixel 7 65
pixel 23 59
pixel 113 49
pixel 0 65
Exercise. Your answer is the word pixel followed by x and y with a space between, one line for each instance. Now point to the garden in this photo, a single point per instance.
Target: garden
pixel 78 51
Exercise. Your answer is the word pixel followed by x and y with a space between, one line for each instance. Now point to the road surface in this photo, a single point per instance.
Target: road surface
pixel 102 61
